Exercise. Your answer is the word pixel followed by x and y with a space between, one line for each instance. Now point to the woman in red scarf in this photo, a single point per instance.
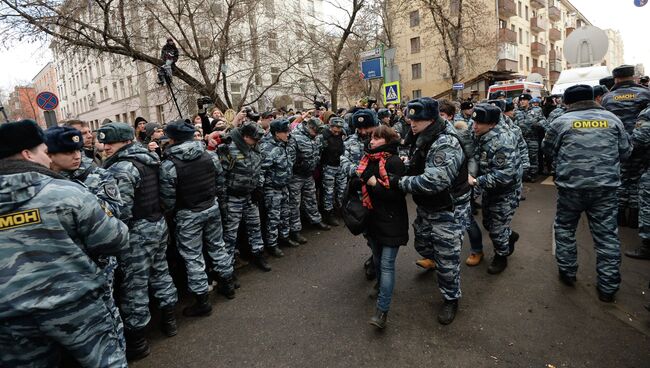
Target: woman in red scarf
pixel 387 221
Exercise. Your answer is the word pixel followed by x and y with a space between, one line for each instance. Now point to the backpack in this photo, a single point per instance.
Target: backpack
pixel 354 213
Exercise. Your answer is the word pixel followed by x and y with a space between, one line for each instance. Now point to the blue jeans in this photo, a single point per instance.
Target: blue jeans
pixel 475 237
pixel 384 259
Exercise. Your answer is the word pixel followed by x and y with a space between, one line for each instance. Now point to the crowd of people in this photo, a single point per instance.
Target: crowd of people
pixel 86 217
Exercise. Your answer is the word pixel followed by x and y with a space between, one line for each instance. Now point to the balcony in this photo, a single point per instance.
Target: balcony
pixel 568 30
pixel 554 55
pixel 555 66
pixel 539 70
pixel 507 35
pixel 537 4
pixel 553 76
pixel 505 65
pixel 507 57
pixel 554 13
pixel 537 49
pixel 538 25
pixel 507 8
pixel 554 34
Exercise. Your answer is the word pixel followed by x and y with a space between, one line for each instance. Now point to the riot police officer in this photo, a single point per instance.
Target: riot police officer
pixel 641 143
pixel 531 121
pixel 588 143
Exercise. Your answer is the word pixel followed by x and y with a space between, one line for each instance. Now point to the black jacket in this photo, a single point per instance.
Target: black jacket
pixel 333 148
pixel 388 222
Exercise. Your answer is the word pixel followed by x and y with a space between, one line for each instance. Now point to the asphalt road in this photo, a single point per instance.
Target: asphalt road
pixel 312 310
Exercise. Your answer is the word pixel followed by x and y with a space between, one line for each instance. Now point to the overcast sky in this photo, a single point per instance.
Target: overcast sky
pixel 21 63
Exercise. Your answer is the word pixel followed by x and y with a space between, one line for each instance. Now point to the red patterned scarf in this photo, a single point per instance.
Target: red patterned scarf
pixel 383 175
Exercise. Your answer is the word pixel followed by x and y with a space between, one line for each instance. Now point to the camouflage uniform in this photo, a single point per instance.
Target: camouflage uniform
pixel 354 149
pixel 194 226
pixel 242 165
pixel 499 177
pixel 530 120
pixel 641 143
pixel 334 179
pixel 438 233
pixel 101 183
pixel 556 113
pixel 522 147
pixel 277 167
pixel 302 188
pixel 626 100
pixel 588 143
pixel 62 226
pixel 145 264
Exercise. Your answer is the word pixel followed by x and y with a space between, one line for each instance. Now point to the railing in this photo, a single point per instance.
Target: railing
pixel 537 48
pixel 507 35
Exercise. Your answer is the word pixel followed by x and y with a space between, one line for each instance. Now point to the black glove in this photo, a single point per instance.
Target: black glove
pixel 257 196
pixel 394 182
pixel 355 184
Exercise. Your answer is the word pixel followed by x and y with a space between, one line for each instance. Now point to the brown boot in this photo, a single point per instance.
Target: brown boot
pixel 426 263
pixel 474 259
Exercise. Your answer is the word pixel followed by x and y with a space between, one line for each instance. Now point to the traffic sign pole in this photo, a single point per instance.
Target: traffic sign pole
pixel 50 118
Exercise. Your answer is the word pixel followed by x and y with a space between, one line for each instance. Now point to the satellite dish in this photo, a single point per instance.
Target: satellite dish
pixel 282 101
pixel 535 78
pixel 586 46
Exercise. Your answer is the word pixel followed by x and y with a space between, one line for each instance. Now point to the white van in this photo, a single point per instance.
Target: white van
pixel 571 77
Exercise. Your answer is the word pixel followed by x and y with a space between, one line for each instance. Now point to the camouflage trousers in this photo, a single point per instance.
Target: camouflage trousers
pixel 85 329
pixel 644 205
pixel 498 211
pixel 600 205
pixel 302 190
pixel 237 208
pixel 109 265
pixel 334 181
pixel 533 156
pixel 628 192
pixel 145 265
pixel 276 202
pixel 438 236
pixel 193 230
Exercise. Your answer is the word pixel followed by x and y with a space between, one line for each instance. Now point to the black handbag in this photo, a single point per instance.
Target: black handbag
pixel 354 213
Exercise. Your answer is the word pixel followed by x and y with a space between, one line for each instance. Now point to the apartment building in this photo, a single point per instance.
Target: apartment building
pixel 615 51
pixel 22 105
pixel 528 38
pixel 95 86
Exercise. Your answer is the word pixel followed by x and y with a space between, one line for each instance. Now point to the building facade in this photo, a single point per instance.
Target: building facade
pixel 528 38
pixel 22 105
pixel 46 81
pixel 615 51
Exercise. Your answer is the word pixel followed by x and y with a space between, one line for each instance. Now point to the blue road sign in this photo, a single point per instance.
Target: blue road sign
pixel 47 101
pixel 458 86
pixel 640 3
pixel 392 93
pixel 372 68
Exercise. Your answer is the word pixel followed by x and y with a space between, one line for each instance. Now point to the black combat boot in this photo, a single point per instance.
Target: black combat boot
pixel 137 346
pixel 330 218
pixel 200 308
pixel 168 321
pixel 499 263
pixel 621 218
pixel 447 312
pixel 633 218
pixel 642 252
pixel 235 281
pixel 321 226
pixel 379 319
pixel 226 287
pixel 514 237
pixel 260 262
pixel 566 279
pixel 295 236
pixel 605 297
pixel 275 252
pixel 287 242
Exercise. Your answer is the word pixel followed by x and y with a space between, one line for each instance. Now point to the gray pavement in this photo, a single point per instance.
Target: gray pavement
pixel 312 310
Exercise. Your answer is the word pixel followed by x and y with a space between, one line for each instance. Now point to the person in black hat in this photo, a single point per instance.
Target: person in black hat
pixel 607 82
pixel 52 233
pixel 265 122
pixel 333 177
pixel 191 178
pixel 588 182
pixel 437 179
pixel 139 127
pixel 644 81
pixel 626 100
pixel 599 92
pixel 137 172
pixel 466 110
pixel 531 121
pixel 499 178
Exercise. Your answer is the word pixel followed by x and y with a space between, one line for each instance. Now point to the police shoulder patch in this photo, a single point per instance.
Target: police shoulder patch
pixel 500 159
pixel 19 219
pixel 439 158
pixel 111 191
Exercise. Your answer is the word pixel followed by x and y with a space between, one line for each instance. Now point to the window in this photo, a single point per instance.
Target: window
pixel 129 83
pixel 521 61
pixel 116 96
pixel 273 42
pixel 270 7
pixel 275 75
pixel 417 93
pixel 235 93
pixel 521 36
pixel 512 28
pixel 415 18
pixel 454 6
pixel 416 71
pixel 299 105
pixel 527 37
pixel 415 45
pixel 526 12
pixel 503 23
pixel 122 90
pixel 541 63
pixel 519 9
pixel 527 63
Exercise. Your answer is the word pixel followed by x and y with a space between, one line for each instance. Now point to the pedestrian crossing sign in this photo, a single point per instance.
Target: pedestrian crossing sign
pixel 391 93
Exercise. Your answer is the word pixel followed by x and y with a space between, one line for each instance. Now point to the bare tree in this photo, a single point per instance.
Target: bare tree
pixel 215 39
pixel 461 35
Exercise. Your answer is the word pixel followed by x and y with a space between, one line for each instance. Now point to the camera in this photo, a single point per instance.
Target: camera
pixel 251 114
pixel 204 102
pixel 320 102
pixel 371 101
